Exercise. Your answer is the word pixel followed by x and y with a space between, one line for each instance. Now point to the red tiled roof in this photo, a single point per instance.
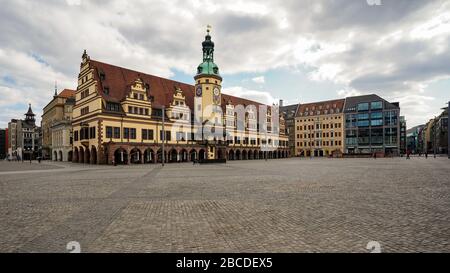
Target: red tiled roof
pixel 118 80
pixel 321 106
pixel 67 93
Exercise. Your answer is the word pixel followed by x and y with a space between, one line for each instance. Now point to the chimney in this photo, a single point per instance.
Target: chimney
pixel 281 103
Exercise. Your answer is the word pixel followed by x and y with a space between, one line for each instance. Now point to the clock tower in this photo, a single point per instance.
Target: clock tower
pixel 208 83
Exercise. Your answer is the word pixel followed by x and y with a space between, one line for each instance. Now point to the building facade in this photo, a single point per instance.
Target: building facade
pixel 122 116
pixel 413 139
pixel 58 114
pixel 24 137
pixel 319 129
pixel 290 113
pixel 439 133
pixel 403 135
pixel 3 143
pixel 372 126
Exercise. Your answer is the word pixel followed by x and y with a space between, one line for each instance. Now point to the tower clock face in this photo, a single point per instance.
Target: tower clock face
pixel 198 92
pixel 216 91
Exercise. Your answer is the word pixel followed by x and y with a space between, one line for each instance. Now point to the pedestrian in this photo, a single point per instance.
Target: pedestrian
pixel 374 155
pixel 426 155
pixel 39 159
pixel 407 155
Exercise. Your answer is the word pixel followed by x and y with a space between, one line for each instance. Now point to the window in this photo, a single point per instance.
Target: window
pixel 84 93
pixel 116 132
pixel 85 110
pixel 376 105
pixel 377 136
pixel 168 136
pixel 144 134
pixel 135 96
pixel 363 123
pixel 364 137
pixel 109 131
pixel 84 133
pixel 376 115
pixel 376 122
pixel 363 106
pixel 133 133
pixel 106 90
pixel 181 136
pixel 112 107
pixel 126 133
pixel 75 135
pixel 390 118
pixel 91 132
pixel 363 116
pixel 157 112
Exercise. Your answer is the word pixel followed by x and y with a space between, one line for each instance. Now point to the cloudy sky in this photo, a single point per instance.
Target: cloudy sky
pixel 296 50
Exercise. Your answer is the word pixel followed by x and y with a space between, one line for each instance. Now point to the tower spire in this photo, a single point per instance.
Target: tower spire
pixel 56 88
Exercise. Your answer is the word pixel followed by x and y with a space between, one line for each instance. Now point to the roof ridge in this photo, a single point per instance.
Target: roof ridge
pixel 138 72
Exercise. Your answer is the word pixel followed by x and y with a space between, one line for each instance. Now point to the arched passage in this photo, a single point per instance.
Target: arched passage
pixel 135 156
pixel 244 155
pixel 173 156
pixel 238 155
pixel 87 156
pixel 202 154
pixel 75 155
pixel 231 155
pixel 121 156
pixel 193 155
pixel 220 154
pixel 159 156
pixel 55 156
pixel 93 155
pixel 183 155
pixel 149 156
pixel 81 155
pixel 60 156
pixel 70 156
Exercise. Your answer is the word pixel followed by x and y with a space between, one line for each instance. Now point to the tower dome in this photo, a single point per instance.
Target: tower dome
pixel 208 67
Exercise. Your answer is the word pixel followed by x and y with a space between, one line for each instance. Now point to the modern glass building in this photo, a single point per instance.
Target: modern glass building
pixel 372 125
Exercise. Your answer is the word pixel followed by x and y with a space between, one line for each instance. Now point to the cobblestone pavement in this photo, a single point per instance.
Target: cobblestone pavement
pixel 285 205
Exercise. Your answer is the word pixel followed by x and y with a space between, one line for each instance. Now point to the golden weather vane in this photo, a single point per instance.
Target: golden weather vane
pixel 208 28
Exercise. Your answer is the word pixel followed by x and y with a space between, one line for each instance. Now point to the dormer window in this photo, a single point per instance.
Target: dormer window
pixel 106 90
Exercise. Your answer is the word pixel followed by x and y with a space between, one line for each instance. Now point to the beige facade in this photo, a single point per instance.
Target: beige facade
pixel 57 111
pixel 319 129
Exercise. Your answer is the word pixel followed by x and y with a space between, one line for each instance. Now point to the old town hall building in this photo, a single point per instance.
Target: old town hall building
pixel 122 116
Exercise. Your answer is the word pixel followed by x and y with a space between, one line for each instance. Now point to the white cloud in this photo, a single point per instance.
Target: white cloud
pixel 259 80
pixel 343 93
pixel 258 96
